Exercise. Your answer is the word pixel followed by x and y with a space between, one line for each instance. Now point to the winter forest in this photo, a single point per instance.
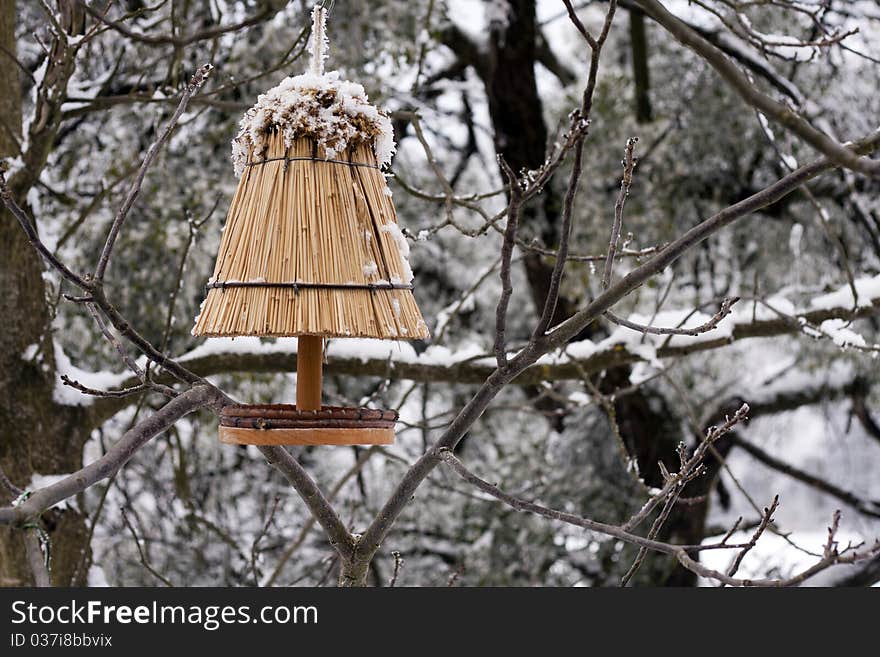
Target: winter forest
pixel 644 236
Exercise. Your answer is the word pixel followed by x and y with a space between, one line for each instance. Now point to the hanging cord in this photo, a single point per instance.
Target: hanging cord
pixel 320 44
pixel 326 6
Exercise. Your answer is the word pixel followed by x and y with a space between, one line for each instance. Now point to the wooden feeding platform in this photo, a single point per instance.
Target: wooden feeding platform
pixel 285 424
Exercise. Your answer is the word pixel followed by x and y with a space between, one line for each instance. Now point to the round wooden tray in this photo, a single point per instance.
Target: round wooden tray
pixel 284 424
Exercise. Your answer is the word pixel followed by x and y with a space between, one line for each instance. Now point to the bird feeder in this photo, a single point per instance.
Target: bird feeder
pixel 311 248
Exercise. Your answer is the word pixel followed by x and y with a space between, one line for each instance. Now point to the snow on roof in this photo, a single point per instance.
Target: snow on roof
pixel 335 113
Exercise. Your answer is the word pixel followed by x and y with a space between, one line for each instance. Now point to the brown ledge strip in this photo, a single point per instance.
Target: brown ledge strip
pixel 287 416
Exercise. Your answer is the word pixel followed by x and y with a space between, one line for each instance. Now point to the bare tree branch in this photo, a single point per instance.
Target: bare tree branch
pixel 32 236
pixel 340 538
pixel 705 327
pixel 766 519
pixel 145 562
pixel 869 508
pixel 675 249
pixel 267 12
pixel 513 212
pixel 838 153
pixel 116 456
pixel 373 536
pixel 198 79
pixel 831 557
pixel 629 164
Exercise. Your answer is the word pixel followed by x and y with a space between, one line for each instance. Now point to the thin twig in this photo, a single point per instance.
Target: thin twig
pixel 712 435
pixel 513 212
pixel 145 562
pixel 766 519
pixel 255 546
pixel 831 558
pixel 134 190
pixel 629 164
pixel 661 519
pixel 398 563
pixel 10 488
pixel 705 327
pixel 552 297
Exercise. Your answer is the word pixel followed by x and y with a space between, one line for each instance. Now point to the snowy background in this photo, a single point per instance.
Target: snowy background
pixel 207 514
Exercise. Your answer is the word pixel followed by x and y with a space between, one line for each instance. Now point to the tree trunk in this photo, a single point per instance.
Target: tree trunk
pixel 353 573
pixel 37 435
pixel 641 77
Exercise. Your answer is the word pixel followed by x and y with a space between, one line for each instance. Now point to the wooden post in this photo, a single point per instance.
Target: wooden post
pixel 309 357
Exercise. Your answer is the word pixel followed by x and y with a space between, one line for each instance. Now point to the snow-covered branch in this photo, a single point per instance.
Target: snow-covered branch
pixel 473 364
pixel 776 111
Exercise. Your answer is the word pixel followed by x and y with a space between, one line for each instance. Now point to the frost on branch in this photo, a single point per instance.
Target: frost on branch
pixel 335 113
